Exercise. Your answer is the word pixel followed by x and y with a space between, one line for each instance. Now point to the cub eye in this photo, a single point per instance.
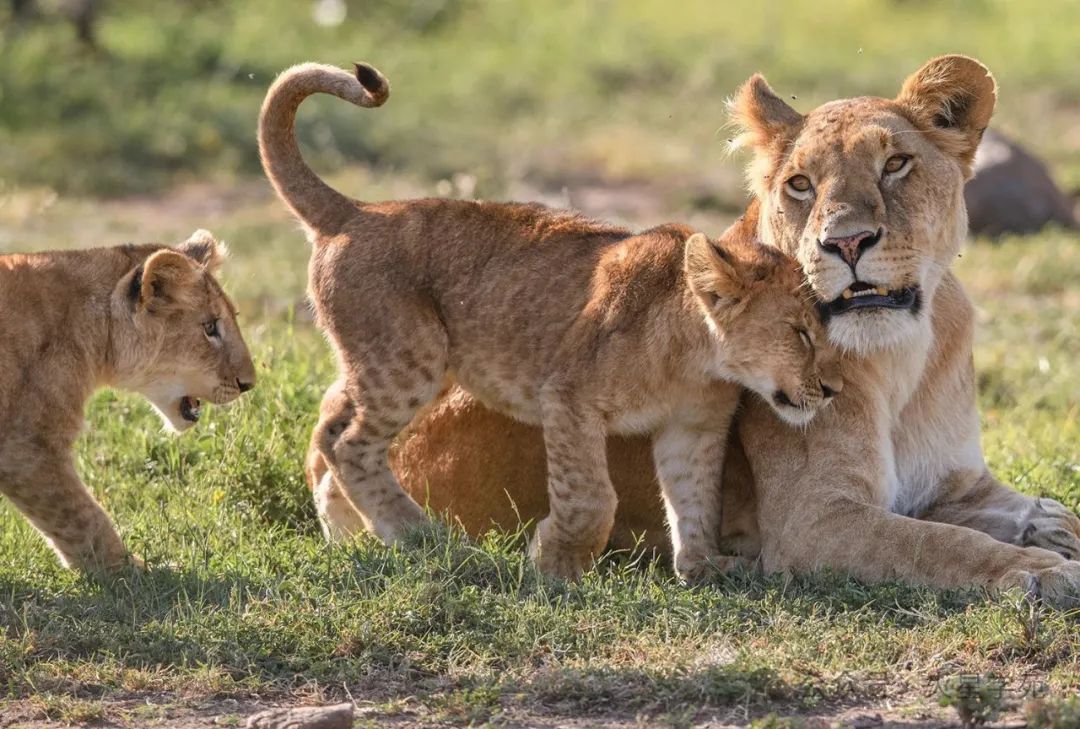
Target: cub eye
pixel 210 328
pixel 896 163
pixel 804 336
pixel 799 184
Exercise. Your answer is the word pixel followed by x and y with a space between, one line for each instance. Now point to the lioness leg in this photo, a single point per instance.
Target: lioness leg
pixel 581 498
pixel 57 503
pixel 690 463
pixel 821 504
pixel 979 501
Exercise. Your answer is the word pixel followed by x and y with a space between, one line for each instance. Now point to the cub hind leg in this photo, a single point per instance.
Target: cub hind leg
pixel 338 518
pixel 582 500
pixel 386 382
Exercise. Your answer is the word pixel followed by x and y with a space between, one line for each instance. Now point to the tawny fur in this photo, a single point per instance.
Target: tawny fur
pixel 132 317
pixel 552 319
pixel 890 482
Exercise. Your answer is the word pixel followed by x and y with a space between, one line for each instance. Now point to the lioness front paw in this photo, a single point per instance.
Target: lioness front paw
pixel 1058 586
pixel 557 559
pixel 1052 525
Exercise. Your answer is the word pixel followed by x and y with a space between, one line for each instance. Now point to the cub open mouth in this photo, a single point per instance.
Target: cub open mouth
pixel 190 409
pixel 861 295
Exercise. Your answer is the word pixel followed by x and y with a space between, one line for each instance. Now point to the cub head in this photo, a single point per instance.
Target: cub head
pixel 175 336
pixel 867 193
pixel 755 303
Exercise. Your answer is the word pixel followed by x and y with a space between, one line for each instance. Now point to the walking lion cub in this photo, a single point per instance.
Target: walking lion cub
pixel 151 319
pixel 582 327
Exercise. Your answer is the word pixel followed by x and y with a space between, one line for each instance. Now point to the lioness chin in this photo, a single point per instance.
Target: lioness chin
pixel 150 319
pixel 581 327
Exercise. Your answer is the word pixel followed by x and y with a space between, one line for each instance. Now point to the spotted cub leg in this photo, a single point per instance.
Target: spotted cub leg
pixel 581 497
pixel 385 390
pixel 59 506
pixel 689 464
pixel 338 517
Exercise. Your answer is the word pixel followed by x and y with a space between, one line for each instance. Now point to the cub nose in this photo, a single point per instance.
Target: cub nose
pixel 244 386
pixel 851 248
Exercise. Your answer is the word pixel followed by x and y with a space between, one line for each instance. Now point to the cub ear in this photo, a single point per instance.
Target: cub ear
pixel 204 249
pixel 764 118
pixel 954 96
pixel 711 274
pixel 168 279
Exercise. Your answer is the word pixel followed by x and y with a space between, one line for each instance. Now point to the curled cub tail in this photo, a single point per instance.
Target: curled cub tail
pixel 322 209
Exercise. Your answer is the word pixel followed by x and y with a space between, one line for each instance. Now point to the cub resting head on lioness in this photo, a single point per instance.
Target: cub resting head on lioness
pixel 889 481
pixel 581 327
pixel 150 319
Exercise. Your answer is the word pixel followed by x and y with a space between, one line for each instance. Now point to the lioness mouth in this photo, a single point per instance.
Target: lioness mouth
pixel 861 295
pixel 190 408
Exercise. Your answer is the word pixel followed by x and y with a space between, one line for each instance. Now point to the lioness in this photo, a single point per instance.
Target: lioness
pixel 151 319
pixel 889 481
pixel 579 326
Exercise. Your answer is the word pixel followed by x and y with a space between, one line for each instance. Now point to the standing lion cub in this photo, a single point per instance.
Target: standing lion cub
pixel 582 327
pixel 151 319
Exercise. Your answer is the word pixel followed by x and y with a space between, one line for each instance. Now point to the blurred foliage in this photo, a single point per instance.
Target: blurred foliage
pixel 500 89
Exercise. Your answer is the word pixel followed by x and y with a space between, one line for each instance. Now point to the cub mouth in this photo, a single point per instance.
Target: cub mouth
pixel 190 408
pixel 861 295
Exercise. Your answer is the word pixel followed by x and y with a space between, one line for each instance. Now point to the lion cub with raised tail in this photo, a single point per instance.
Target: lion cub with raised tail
pixel 151 319
pixel 581 327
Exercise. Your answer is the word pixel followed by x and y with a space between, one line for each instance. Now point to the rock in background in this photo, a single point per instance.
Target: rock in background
pixel 1012 191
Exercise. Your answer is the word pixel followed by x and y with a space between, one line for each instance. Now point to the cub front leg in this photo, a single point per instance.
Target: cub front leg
pixel 56 502
pixel 581 498
pixel 689 464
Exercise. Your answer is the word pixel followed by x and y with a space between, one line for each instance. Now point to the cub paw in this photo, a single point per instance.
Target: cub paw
pixel 403 518
pixel 558 559
pixel 697 568
pixel 1053 526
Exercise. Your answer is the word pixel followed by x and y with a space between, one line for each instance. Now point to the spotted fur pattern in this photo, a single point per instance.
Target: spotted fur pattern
pixel 580 327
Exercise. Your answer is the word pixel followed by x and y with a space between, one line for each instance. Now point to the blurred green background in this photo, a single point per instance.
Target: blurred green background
pixel 536 90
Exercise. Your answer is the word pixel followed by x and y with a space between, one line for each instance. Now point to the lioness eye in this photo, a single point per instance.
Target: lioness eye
pixel 799 183
pixel 896 163
pixel 211 328
pixel 804 336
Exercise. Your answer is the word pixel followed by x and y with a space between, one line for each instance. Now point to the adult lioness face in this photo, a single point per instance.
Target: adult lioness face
pixel 867 193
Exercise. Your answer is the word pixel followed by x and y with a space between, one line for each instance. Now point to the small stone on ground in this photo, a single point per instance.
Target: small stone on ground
pixel 338 716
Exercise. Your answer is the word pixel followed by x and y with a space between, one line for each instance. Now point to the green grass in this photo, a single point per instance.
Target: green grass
pixel 466 632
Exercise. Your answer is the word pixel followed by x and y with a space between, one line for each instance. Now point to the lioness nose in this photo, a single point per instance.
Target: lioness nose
pixel 244 386
pixel 851 248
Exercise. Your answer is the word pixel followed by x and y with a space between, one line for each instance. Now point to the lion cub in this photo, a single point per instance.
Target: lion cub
pixel 151 319
pixel 581 327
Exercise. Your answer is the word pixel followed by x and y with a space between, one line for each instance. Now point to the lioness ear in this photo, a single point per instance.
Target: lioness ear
pixel 710 273
pixel 954 97
pixel 168 279
pixel 764 118
pixel 204 249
